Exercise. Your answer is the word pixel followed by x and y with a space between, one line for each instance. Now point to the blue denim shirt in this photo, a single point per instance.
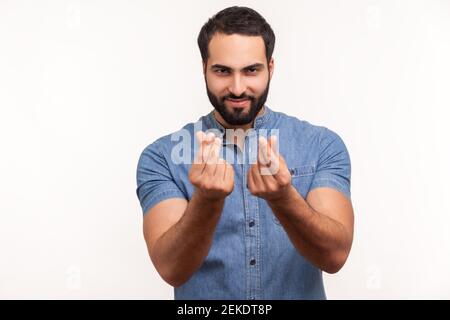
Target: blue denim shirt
pixel 251 256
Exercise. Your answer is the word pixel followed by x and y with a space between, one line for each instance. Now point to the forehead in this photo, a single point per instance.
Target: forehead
pixel 235 50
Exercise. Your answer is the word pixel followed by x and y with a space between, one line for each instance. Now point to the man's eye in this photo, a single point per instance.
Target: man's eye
pixel 221 71
pixel 252 70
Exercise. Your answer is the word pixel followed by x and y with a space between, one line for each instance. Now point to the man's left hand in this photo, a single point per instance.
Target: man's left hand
pixel 269 178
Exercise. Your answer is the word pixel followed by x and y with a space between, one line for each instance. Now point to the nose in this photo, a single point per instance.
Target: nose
pixel 238 86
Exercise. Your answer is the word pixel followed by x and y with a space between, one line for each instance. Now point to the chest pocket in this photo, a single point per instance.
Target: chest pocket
pixel 301 178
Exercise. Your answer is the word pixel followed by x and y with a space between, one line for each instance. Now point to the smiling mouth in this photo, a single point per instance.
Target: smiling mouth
pixel 238 102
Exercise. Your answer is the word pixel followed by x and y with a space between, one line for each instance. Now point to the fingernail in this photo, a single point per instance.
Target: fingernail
pixel 210 136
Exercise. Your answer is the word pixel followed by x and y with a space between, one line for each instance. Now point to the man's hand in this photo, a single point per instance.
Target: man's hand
pixel 212 176
pixel 320 229
pixel 179 233
pixel 269 178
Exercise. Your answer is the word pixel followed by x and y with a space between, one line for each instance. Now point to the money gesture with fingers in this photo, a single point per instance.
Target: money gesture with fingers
pixel 212 176
pixel 269 178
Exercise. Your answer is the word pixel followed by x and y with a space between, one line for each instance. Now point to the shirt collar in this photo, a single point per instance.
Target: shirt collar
pixel 262 121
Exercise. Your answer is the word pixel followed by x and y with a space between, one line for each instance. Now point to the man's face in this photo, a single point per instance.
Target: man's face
pixel 237 77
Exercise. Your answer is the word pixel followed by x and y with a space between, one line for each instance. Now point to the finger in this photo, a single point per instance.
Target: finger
pixel 250 182
pixel 273 145
pixel 200 136
pixel 262 151
pixel 268 179
pixel 213 157
pixel 214 152
pixel 210 136
pixel 274 156
pixel 257 179
pixel 204 141
pixel 207 145
pixel 283 171
pixel 229 174
pixel 221 169
pixel 275 166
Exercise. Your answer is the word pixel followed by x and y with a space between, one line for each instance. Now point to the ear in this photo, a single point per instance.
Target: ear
pixel 271 67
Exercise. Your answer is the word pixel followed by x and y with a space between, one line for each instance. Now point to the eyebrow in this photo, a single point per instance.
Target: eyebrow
pixel 255 65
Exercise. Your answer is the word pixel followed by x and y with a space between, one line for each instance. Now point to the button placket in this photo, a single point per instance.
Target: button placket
pixel 251 235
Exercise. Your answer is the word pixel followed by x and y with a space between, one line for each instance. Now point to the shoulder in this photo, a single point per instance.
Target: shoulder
pixel 306 129
pixel 164 144
pixel 311 136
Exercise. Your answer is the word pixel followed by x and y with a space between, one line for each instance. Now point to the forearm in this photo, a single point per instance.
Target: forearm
pixel 181 250
pixel 320 239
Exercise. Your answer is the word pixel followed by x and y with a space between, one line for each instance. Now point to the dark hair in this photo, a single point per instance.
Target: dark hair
pixel 236 20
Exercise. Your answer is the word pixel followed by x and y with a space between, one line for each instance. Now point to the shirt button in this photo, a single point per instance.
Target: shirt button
pixel 252 262
pixel 251 223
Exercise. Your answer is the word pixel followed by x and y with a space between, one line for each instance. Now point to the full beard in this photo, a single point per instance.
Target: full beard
pixel 237 117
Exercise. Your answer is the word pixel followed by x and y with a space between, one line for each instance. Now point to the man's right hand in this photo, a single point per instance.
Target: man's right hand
pixel 212 176
pixel 177 252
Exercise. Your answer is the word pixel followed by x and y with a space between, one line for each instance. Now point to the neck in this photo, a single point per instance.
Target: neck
pixel 244 127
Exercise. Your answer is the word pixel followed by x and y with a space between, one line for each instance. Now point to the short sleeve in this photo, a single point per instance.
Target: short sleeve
pixel 333 167
pixel 155 182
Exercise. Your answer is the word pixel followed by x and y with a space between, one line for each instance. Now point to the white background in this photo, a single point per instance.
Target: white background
pixel 86 85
